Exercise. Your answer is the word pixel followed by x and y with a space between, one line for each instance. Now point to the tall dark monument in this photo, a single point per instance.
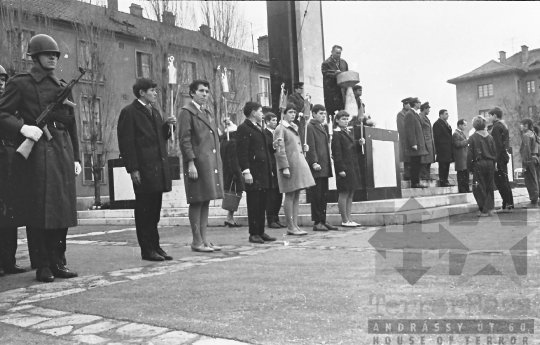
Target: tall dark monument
pixel 296 45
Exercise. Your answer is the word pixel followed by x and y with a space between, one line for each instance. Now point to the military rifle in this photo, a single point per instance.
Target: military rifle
pixel 41 122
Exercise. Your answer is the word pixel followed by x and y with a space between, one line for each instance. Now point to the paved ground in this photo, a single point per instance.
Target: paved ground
pixel 319 289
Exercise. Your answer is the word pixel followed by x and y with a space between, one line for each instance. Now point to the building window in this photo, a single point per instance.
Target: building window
pixel 91 133
pixel 263 96
pixel 188 73
pixel 19 41
pixel 531 86
pixel 532 111
pixel 231 79
pixel 485 90
pixel 88 176
pixel 144 65
pixel 484 113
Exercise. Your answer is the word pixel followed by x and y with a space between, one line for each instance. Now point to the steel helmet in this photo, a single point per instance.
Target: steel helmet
pixel 42 43
pixel 3 72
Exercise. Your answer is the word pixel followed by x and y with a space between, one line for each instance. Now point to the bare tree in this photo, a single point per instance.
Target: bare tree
pixel 227 22
pixel 99 98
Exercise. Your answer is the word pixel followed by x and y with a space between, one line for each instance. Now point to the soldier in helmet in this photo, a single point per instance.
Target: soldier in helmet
pixel 42 192
pixel 8 232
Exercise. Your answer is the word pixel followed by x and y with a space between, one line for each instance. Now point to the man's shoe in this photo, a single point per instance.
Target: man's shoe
pixel 14 269
pixel 45 275
pixel 164 254
pixel 330 226
pixel 267 238
pixel 256 239
pixel 446 184
pixel 319 227
pixel 274 225
pixel 2 272
pixel 60 271
pixel 281 224
pixel 406 178
pixel 533 204
pixel 418 185
pixel 153 256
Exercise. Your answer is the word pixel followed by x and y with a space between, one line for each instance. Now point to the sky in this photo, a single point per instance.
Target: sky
pixel 403 49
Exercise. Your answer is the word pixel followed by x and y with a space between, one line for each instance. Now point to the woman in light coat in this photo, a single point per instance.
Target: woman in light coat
pixel 293 170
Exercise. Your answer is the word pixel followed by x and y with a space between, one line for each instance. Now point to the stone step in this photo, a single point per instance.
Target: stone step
pixel 366 219
pixel 418 192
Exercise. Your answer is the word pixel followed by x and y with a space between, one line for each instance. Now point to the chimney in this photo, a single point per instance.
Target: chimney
pixel 264 53
pixel 502 56
pixel 205 30
pixel 112 5
pixel 135 10
pixel 169 18
pixel 524 54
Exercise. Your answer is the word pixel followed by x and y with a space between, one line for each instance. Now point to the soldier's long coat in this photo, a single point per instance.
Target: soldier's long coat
pixel 414 135
pixel 199 142
pixel 428 137
pixel 400 120
pixel 43 193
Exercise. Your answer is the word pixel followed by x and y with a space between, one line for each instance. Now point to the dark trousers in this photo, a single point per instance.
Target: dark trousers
pixel 483 184
pixel 8 246
pixel 407 170
pixel 147 215
pixel 463 181
pixel 48 246
pixel 503 185
pixel 273 205
pixel 425 171
pixel 415 169
pixel 319 200
pixel 256 207
pixel 444 168
pixel 531 181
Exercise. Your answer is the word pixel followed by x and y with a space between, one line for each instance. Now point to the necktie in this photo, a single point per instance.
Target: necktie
pixel 149 107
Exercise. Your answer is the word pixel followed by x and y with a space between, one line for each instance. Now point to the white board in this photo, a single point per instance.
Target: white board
pixel 123 187
pixel 384 171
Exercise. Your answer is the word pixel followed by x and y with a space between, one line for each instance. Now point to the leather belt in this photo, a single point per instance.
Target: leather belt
pixel 57 125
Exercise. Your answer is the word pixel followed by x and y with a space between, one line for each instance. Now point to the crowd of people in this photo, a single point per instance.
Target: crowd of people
pixel 269 157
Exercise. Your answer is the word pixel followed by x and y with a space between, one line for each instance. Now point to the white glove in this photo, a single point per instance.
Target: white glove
pixel 77 168
pixel 31 132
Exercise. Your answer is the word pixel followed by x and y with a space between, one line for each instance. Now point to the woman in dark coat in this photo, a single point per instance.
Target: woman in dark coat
pixel 345 166
pixel 203 179
pixel 232 175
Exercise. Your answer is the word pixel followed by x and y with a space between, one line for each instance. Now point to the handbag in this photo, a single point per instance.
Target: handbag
pixel 231 199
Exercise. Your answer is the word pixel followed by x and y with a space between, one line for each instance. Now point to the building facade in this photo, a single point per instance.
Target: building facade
pixel 130 46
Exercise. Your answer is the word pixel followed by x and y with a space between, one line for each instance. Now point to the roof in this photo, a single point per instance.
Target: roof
pixel 512 64
pixel 124 23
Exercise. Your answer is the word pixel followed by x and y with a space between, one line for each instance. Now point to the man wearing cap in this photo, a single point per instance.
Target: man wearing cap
pixel 430 146
pixel 45 182
pixel 415 143
pixel 330 68
pixel 400 120
pixel 442 132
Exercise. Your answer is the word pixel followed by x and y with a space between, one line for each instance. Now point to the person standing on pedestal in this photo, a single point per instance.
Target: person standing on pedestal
pixel 400 120
pixel 275 198
pixel 331 67
pixel 203 169
pixel 254 161
pixel 442 132
pixel 415 146
pixel 318 158
pixel 142 141
pixel 459 151
pixel 501 137
pixel 425 169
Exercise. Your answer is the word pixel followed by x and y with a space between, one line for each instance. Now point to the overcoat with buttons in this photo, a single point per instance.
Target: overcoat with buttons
pixel 290 154
pixel 428 138
pixel 442 132
pixel 345 159
pixel 318 141
pixel 142 140
pixel 199 142
pixel 414 135
pixel 252 152
pixel 42 191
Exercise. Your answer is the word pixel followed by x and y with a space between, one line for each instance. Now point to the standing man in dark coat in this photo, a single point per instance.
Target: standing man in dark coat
pixel 442 131
pixel 425 170
pixel 254 161
pixel 44 197
pixel 502 143
pixel 275 198
pixel 459 152
pixel 318 158
pixel 331 67
pixel 8 232
pixel 400 120
pixel 415 143
pixel 142 140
